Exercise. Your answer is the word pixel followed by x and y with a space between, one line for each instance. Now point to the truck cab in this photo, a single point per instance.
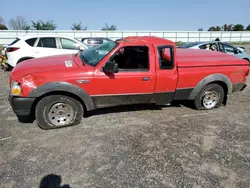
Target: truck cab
pixel 59 90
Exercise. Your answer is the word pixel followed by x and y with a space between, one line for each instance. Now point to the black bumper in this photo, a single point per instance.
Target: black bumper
pixel 239 87
pixel 21 105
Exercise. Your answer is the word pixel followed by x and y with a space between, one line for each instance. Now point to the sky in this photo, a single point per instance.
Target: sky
pixel 153 15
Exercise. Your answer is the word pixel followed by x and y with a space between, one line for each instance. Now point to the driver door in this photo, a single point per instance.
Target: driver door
pixel 134 82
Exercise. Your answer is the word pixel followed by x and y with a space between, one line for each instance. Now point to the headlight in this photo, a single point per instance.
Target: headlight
pixel 15 89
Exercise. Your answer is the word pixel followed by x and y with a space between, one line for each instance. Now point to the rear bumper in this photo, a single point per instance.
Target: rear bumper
pixel 21 106
pixel 239 87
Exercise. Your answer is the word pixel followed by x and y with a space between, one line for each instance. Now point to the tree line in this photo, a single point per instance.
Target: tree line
pixel 228 27
pixel 20 23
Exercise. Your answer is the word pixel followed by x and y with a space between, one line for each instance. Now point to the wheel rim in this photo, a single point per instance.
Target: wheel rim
pixel 61 114
pixel 210 99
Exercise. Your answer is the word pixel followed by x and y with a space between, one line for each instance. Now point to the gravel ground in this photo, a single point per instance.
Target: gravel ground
pixel 140 146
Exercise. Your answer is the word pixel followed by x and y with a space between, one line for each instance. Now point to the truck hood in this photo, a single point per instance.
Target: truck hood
pixel 45 64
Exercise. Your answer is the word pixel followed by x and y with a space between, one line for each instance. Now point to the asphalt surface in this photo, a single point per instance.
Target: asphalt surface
pixel 140 146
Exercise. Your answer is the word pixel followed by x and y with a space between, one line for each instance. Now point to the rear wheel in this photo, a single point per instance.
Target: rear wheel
pixel 57 111
pixel 211 96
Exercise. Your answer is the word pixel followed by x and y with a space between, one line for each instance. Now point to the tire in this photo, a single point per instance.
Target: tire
pixel 57 111
pixel 203 99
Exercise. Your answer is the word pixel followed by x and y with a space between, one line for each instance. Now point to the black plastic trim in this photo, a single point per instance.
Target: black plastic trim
pixel 127 99
pixel 162 98
pixel 209 79
pixel 65 87
pixel 183 93
pixel 21 106
pixel 117 100
pixel 239 87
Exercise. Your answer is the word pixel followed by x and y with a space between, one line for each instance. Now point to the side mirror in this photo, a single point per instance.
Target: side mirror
pixel 110 67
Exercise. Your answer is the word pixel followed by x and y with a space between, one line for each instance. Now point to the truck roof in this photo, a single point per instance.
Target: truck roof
pixel 146 40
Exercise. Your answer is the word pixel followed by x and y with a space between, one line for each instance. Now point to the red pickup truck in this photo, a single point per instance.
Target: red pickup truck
pixel 58 90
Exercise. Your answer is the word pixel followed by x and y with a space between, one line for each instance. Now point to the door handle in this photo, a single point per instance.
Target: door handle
pixel 145 78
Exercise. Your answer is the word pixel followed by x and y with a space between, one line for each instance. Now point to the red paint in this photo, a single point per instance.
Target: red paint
pixel 191 66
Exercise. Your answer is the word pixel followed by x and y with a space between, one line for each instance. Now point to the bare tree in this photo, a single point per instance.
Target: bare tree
pixel 2 26
pixel 19 23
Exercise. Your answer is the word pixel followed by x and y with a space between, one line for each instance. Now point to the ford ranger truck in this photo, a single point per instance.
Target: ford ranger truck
pixel 58 90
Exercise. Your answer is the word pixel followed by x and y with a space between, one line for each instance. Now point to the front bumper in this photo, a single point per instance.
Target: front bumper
pixel 21 106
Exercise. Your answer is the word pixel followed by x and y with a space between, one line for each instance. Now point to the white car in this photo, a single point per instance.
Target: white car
pixel 28 47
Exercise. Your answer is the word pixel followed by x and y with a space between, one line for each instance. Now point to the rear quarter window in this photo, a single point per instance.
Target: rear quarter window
pixel 14 42
pixel 47 42
pixel 166 57
pixel 31 41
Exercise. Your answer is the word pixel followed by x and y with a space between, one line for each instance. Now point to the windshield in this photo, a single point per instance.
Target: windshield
pixel 95 54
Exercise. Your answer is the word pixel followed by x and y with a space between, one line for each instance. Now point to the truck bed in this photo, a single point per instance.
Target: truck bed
pixel 200 58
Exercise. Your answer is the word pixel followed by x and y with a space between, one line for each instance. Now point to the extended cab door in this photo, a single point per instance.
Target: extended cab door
pixel 166 72
pixel 134 82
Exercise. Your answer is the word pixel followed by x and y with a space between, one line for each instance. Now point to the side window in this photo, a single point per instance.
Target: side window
pixel 47 42
pixel 166 57
pixel 95 41
pixel 229 49
pixel 31 41
pixel 132 58
pixel 239 51
pixel 209 46
pixel 221 47
pixel 68 44
pixel 203 47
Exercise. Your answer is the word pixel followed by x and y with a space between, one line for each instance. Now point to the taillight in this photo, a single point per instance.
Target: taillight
pixel 11 49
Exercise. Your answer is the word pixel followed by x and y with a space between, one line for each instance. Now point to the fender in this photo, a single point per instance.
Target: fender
pixel 64 86
pixel 209 79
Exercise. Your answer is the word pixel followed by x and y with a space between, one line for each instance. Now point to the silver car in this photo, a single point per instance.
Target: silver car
pixel 219 46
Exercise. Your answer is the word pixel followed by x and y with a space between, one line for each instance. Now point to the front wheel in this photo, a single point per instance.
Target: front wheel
pixel 57 111
pixel 211 96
